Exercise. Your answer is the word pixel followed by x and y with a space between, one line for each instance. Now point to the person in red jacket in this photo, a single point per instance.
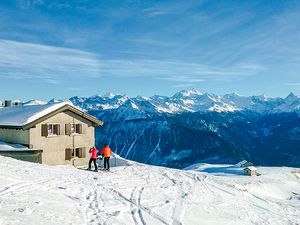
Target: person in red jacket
pixel 107 153
pixel 94 152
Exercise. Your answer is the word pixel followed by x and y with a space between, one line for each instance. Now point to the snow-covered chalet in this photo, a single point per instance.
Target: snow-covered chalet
pixel 61 132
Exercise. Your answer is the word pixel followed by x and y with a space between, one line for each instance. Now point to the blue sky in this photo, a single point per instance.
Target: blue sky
pixel 59 48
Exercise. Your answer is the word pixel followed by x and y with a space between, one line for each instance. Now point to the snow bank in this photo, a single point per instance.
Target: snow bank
pixel 141 194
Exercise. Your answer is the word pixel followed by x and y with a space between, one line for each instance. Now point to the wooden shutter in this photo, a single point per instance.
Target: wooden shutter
pixel 77 152
pixel 56 129
pixel 44 130
pixel 62 129
pixel 83 152
pixel 79 128
pixel 68 154
pixel 68 129
pixel 83 128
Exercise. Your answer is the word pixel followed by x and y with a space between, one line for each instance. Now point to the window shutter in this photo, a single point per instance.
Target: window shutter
pixel 62 129
pixel 79 128
pixel 68 129
pixel 68 154
pixel 56 129
pixel 44 130
pixel 83 128
pixel 83 152
pixel 77 152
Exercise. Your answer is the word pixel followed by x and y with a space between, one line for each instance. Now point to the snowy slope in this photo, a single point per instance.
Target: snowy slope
pixel 141 194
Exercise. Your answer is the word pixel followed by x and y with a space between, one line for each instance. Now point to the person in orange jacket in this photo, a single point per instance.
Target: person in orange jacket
pixel 93 151
pixel 107 153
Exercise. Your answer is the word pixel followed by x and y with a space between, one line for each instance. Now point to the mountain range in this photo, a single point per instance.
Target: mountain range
pixel 191 127
pixel 192 101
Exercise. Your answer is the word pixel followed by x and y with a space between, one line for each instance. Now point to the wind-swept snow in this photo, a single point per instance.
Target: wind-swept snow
pixel 140 194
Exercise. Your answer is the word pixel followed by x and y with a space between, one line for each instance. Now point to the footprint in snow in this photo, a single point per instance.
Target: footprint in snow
pixel 23 211
pixel 116 213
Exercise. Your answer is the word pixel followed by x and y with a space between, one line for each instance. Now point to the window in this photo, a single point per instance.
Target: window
pixel 75 152
pixel 79 152
pixel 73 129
pixel 53 129
pixel 77 128
pixel 50 129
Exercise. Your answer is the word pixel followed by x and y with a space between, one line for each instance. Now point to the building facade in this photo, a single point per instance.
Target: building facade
pixel 64 134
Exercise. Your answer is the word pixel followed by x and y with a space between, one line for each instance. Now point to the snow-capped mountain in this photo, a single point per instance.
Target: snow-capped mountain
pixel 289 104
pixel 192 126
pixel 192 101
pixel 33 194
pixel 98 102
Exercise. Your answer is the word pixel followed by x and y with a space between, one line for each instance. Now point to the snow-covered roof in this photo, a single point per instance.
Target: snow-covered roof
pixel 18 116
pixel 241 163
pixel 7 147
pixel 250 168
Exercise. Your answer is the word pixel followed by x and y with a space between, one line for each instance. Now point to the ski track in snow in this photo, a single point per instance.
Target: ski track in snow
pixel 144 195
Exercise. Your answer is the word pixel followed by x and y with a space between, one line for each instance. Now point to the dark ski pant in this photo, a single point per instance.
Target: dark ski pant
pixel 106 163
pixel 95 164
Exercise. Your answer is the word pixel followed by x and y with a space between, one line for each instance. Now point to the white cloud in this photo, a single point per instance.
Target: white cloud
pixel 174 70
pixel 181 85
pixel 182 78
pixel 55 64
pixel 32 61
pixel 152 12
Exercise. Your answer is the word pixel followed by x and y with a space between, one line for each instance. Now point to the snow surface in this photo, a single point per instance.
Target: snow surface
pixel 251 168
pixel 35 102
pixel 225 108
pixel 24 114
pixel 141 194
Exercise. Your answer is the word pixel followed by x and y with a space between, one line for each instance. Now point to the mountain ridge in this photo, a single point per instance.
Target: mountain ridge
pixel 194 101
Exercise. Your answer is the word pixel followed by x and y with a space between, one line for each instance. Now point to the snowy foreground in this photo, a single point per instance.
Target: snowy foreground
pixel 142 194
